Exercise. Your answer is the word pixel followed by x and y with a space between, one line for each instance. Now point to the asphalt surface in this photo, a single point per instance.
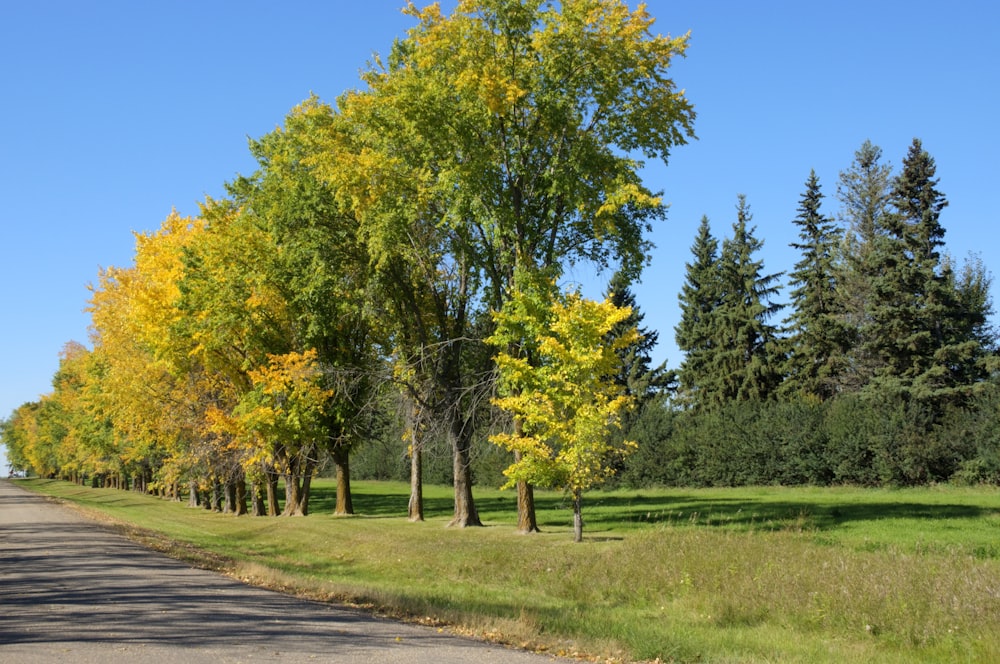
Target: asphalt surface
pixel 71 590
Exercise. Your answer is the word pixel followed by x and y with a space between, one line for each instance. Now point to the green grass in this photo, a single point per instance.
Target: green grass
pixel 713 575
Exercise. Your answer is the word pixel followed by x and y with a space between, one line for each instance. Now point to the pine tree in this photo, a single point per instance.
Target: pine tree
pixel 911 302
pixel 699 299
pixel 972 355
pixel 818 338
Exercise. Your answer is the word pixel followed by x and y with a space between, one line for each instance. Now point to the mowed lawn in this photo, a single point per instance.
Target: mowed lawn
pixel 688 575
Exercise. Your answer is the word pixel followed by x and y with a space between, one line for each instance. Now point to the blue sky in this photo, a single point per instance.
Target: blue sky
pixel 114 112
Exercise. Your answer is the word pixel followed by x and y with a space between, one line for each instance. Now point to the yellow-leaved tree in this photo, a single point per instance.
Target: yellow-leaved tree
pixel 282 419
pixel 559 391
pixel 148 388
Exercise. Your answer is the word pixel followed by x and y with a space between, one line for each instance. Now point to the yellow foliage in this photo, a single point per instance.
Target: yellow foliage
pixel 563 399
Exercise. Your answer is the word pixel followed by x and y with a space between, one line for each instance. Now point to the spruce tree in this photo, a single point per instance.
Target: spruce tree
pixel 818 339
pixel 647 384
pixel 742 358
pixel 863 191
pixel 910 295
pixel 637 375
pixel 699 299
pixel 941 351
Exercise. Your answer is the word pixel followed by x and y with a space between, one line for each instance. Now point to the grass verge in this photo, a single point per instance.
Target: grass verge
pixel 734 575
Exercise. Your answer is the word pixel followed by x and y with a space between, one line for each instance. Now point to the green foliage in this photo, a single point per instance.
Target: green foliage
pixel 733 351
pixel 700 296
pixel 818 336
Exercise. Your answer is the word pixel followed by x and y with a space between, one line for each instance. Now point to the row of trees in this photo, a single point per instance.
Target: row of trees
pixel 881 370
pixel 402 247
pixel 390 272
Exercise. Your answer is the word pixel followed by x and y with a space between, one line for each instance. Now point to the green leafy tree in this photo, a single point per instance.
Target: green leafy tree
pixel 818 339
pixel 522 123
pixel 316 274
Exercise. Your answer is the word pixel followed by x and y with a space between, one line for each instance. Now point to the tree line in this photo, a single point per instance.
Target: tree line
pixel 395 258
pixel 881 369
pixel 385 286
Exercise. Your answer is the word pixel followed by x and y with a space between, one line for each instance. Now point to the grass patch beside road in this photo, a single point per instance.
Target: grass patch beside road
pixel 720 575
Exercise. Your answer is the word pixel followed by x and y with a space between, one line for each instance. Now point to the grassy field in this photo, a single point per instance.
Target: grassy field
pixel 713 575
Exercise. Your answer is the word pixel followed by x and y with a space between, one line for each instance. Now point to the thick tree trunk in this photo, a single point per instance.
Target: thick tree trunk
pixel 465 506
pixel 415 508
pixel 273 508
pixel 577 516
pixel 342 459
pixel 217 496
pixel 293 497
pixel 257 499
pixel 241 495
pixel 271 486
pixel 297 487
pixel 229 492
pixel 526 520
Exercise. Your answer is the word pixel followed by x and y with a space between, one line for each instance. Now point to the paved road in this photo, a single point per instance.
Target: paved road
pixel 73 591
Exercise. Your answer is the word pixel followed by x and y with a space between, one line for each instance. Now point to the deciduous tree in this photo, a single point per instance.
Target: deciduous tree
pixel 519 124
pixel 566 401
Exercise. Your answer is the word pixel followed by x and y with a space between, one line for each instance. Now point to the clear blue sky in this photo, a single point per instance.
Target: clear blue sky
pixel 114 112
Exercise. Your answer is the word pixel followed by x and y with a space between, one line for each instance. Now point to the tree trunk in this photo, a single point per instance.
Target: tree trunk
pixel 271 486
pixel 465 506
pixel 342 459
pixel 415 508
pixel 297 484
pixel 193 493
pixel 527 522
pixel 217 496
pixel 273 509
pixel 229 493
pixel 577 516
pixel 304 494
pixel 257 499
pixel 293 497
pixel 241 495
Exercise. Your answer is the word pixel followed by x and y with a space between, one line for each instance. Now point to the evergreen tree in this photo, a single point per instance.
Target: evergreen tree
pixel 940 354
pixel 639 380
pixel 637 375
pixel 971 323
pixel 910 302
pixel 739 358
pixel 863 191
pixel 699 298
pixel 818 338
